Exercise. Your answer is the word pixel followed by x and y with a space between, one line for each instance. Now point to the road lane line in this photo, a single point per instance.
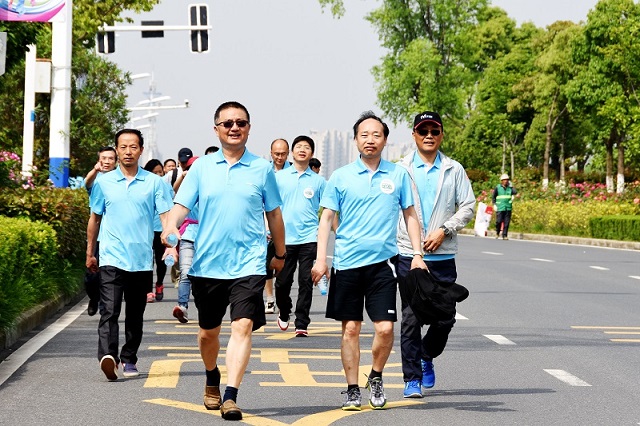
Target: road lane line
pixel 635 277
pixel 568 378
pixel 24 352
pixel 599 268
pixel 460 317
pixel 600 327
pixel 499 339
pixel 537 259
pixel 492 253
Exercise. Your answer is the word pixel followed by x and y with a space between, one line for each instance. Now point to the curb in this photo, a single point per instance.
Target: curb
pixel 35 317
pixel 627 245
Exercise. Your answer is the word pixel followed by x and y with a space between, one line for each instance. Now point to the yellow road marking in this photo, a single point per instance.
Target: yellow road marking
pixel 323 418
pixel 596 327
pixel 166 372
pixel 622 332
pixel 626 340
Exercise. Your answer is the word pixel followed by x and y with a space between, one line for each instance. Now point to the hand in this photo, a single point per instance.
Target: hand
pixel 433 241
pixel 318 270
pixel 171 251
pixel 418 262
pixel 166 233
pixel 277 265
pixel 92 263
pixel 98 167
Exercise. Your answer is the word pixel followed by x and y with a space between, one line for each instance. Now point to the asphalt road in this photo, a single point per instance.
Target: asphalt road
pixel 550 335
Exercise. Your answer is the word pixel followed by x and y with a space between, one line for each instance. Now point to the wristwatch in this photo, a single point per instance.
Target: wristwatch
pixel 446 230
pixel 283 257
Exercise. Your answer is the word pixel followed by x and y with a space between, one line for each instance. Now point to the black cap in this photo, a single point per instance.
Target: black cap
pixel 427 117
pixel 184 154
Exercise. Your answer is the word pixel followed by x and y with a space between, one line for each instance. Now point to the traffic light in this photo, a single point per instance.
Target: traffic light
pixel 199 15
pixel 106 42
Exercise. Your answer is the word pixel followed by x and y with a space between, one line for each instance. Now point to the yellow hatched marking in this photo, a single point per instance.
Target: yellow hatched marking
pixel 622 332
pixel 626 340
pixel 323 418
pixel 166 372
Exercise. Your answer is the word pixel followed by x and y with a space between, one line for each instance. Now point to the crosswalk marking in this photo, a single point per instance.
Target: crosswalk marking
pixel 499 339
pixel 599 268
pixel 537 259
pixel 568 378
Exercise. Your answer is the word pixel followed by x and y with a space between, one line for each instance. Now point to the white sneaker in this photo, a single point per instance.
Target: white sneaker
pixel 270 308
pixel 284 325
pixel 180 313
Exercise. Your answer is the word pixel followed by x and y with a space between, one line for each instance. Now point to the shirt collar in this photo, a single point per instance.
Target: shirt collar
pixel 362 168
pixel 138 176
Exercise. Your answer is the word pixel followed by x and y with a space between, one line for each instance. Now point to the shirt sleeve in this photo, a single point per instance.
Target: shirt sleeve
pixel 96 199
pixel 270 192
pixel 188 194
pixel 331 195
pixel 406 195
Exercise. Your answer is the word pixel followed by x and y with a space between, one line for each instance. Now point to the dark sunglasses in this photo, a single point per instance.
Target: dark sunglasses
pixel 425 132
pixel 229 123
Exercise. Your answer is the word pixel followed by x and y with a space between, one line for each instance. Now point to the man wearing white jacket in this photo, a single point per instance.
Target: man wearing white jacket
pixel 445 202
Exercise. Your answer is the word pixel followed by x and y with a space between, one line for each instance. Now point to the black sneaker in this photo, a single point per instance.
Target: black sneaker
pixel 353 401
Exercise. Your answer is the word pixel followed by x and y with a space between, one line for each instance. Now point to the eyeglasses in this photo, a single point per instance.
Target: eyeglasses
pixel 229 123
pixel 425 132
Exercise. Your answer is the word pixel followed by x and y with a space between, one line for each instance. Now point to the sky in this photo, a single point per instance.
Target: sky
pixel 295 67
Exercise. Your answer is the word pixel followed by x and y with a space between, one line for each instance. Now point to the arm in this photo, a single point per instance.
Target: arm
pixel 171 220
pixel 276 226
pixel 324 229
pixel 414 230
pixel 92 236
pixel 92 175
pixel 178 182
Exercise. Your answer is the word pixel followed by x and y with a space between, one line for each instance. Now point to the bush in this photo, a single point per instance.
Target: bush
pixel 66 210
pixel 31 270
pixel 621 228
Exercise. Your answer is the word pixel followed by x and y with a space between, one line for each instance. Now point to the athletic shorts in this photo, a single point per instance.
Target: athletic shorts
pixel 212 296
pixel 372 287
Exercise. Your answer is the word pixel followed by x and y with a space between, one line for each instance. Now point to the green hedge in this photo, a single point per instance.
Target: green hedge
pixel 31 270
pixel 66 210
pixel 621 228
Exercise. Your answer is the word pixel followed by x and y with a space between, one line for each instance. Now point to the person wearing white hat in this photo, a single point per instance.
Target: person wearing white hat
pixel 503 196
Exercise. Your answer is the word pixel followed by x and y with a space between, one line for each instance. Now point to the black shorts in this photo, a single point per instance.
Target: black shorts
pixel 372 287
pixel 212 296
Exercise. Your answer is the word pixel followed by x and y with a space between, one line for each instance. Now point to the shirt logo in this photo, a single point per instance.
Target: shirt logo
pixel 308 192
pixel 387 186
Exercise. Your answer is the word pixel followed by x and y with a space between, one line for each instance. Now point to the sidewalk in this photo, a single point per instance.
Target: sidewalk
pixel 41 313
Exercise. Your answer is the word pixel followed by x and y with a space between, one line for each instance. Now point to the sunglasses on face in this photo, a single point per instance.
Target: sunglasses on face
pixel 229 123
pixel 425 132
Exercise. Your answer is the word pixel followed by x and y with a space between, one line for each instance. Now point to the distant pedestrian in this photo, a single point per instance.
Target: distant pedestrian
pixel 233 189
pixel 124 203
pixel 444 201
pixel 279 161
pixel 369 195
pixel 300 190
pixel 211 150
pixel 315 165
pixel 503 195
pixel 169 165
pixel 107 161
pixel 155 166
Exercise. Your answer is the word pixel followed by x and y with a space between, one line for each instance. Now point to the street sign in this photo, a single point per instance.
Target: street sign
pixel 106 42
pixel 155 33
pixel 3 51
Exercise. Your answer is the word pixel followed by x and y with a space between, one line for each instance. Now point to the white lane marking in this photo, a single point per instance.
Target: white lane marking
pixel 499 339
pixel 567 377
pixel 537 259
pixel 635 277
pixel 24 352
pixel 461 317
pixel 492 253
pixel 599 268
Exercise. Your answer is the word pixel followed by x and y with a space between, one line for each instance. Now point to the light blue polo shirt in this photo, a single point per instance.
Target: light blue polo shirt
pixel 300 193
pixel 369 205
pixel 192 229
pixel 128 210
pixel 231 241
pixel 157 224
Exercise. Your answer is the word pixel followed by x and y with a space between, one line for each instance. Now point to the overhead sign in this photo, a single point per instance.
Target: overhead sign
pixel 32 10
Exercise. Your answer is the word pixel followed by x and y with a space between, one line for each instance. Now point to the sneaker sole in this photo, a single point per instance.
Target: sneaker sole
pixel 414 395
pixel 108 367
pixel 352 408
pixel 131 374
pixel 179 315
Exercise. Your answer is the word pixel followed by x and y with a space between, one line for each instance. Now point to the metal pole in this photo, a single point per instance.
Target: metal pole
pixel 29 110
pixel 60 99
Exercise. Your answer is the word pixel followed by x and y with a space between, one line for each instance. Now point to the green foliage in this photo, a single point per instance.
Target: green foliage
pixel 65 210
pixel 621 228
pixel 31 270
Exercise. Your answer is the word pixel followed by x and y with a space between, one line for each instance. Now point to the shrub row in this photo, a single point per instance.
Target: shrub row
pixel 621 228
pixel 31 270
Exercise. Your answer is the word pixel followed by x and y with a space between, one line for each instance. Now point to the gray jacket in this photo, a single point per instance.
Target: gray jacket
pixel 453 208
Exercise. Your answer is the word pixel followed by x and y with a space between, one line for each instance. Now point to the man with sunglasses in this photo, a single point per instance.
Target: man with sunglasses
pixel 234 189
pixel 444 201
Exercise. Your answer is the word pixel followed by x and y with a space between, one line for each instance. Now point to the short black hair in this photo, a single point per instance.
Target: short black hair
pixel 315 163
pixel 227 105
pixel 170 159
pixel 367 115
pixel 107 148
pixel 152 164
pixel 211 150
pixel 304 138
pixel 136 132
